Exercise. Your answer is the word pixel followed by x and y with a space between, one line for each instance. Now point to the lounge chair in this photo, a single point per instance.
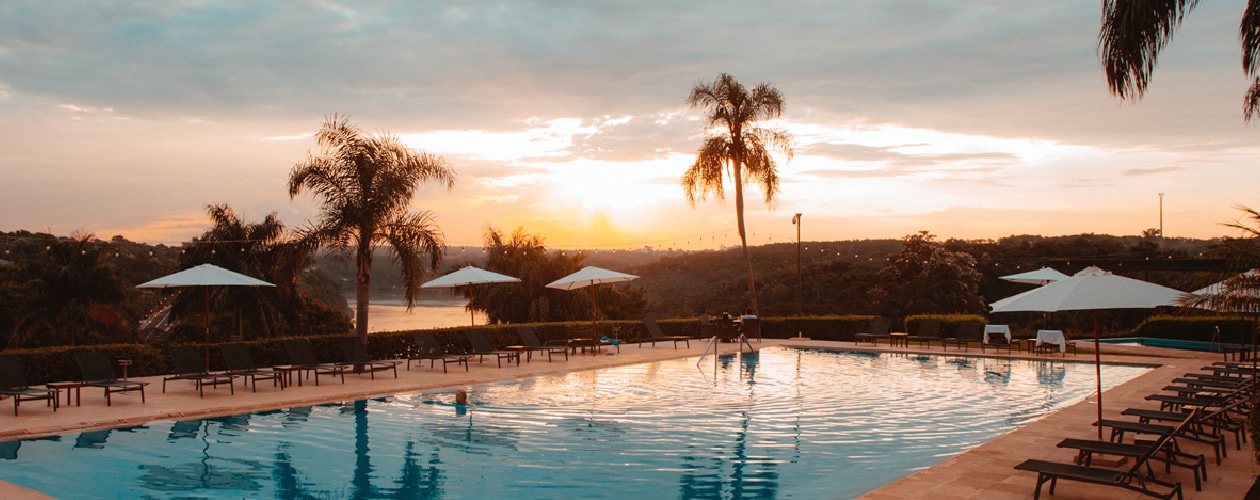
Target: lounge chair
pixel 529 338
pixel 929 330
pixel 13 384
pixel 968 332
pixel 427 348
pixel 302 359
pixel 1136 478
pixel 878 330
pixel 997 341
pixel 356 355
pixel 98 371
pixel 482 348
pixel 240 362
pixel 1170 453
pixel 655 334
pixel 189 365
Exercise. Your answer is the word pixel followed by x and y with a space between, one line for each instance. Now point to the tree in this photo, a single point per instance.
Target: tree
pixel 927 278
pixel 1135 31
pixel 526 257
pixel 364 186
pixel 75 295
pixel 260 249
pixel 738 148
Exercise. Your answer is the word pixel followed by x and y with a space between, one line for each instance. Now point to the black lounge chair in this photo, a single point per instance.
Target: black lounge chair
pixel 356 355
pixel 750 328
pixel 878 330
pixel 1170 454
pixel 302 359
pixel 482 348
pixel 1137 478
pixel 189 365
pixel 655 334
pixel 968 332
pixel 427 348
pixel 13 383
pixel 929 330
pixel 240 362
pixel 98 371
pixel 529 338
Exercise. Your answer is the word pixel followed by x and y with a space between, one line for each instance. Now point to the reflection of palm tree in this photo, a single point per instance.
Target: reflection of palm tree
pixel 362 462
pixel 741 150
pixel 415 481
pixel 288 483
pixel 364 186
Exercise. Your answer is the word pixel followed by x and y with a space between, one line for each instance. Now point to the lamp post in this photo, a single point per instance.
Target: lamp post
pixel 1161 217
pixel 800 284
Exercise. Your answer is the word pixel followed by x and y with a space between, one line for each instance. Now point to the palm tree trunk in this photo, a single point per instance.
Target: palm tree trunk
pixel 743 239
pixel 362 291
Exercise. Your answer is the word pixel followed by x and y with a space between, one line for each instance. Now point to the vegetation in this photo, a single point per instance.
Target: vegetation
pixel 927 278
pixel 364 186
pixel 1135 31
pixel 74 296
pixel 737 147
pixel 526 257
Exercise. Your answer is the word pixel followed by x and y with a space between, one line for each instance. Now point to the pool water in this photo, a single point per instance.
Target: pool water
pixel 1188 345
pixel 786 423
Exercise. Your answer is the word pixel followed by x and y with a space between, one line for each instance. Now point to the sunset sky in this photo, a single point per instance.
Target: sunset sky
pixel 969 119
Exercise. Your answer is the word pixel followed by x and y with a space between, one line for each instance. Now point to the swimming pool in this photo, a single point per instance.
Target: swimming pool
pixel 1189 345
pixel 785 423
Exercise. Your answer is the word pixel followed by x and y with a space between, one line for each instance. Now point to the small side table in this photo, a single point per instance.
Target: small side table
pixel 902 339
pixel 518 349
pixel 66 386
pixel 124 363
pixel 287 371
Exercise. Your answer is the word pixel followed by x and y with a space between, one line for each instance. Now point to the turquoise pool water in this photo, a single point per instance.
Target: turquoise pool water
pixel 785 423
pixel 1189 345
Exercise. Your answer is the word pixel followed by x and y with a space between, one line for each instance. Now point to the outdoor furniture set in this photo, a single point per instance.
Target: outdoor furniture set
pixel 1203 408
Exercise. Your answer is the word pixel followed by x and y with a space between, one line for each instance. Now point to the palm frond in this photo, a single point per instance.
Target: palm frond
pixel 704 177
pixel 1249 36
pixel 1132 34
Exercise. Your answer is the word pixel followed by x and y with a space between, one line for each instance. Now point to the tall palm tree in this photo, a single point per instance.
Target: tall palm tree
pixel 364 185
pixel 1134 31
pixel 737 147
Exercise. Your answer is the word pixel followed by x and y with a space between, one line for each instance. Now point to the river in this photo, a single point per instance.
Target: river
pixel 386 315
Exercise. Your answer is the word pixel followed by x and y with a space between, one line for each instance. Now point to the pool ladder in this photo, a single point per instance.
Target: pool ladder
pixel 713 344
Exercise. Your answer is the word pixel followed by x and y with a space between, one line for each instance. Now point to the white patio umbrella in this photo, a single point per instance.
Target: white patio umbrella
pixel 206 276
pixel 590 276
pixel 1092 289
pixel 469 276
pixel 1037 277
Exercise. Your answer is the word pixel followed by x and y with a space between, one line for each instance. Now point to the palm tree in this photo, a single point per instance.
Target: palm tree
pixel 260 249
pixel 364 185
pixel 737 147
pixel 1134 31
pixel 76 294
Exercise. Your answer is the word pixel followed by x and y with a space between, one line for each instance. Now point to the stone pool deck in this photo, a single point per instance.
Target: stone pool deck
pixel 983 472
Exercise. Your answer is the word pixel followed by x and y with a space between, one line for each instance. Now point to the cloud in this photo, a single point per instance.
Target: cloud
pixel 1142 172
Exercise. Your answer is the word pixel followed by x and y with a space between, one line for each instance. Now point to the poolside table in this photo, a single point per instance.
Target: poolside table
pixel 899 338
pixel 67 386
pixel 1052 337
pixel 1002 329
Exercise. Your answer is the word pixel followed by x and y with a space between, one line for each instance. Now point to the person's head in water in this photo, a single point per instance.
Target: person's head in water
pixel 461 397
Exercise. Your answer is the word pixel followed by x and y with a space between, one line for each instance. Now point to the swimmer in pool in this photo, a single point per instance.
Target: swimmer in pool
pixel 461 397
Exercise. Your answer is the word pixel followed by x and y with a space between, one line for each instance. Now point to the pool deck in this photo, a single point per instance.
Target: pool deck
pixel 983 472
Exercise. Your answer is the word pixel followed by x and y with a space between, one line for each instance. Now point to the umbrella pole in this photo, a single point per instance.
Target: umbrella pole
pixel 594 314
pixel 472 313
pixel 207 287
pixel 1098 374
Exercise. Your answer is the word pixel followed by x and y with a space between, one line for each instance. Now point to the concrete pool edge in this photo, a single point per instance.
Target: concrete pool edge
pixel 982 471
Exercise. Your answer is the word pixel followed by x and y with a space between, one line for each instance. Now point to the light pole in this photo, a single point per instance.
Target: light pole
pixel 1161 217
pixel 800 284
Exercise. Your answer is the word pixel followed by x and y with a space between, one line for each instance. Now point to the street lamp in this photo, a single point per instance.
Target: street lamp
pixel 800 284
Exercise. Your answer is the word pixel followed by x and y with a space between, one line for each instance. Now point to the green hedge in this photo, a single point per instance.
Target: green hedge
pixel 949 322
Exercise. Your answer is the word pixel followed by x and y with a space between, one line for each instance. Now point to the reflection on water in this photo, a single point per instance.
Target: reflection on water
pixel 392 315
pixel 786 422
